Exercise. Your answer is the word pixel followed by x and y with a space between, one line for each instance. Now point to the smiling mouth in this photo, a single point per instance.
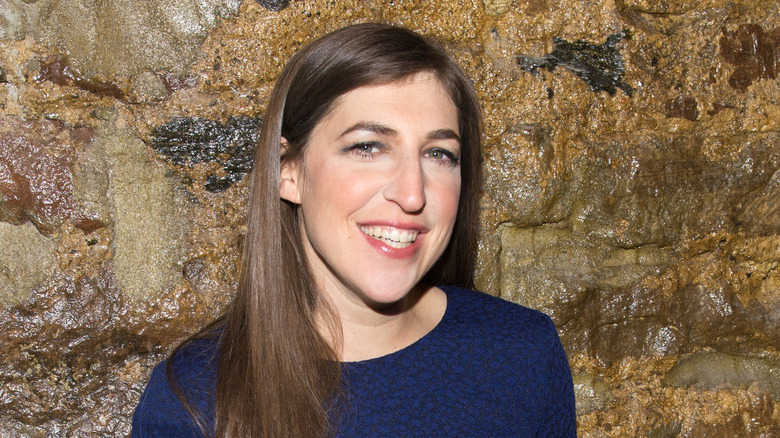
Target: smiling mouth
pixel 391 237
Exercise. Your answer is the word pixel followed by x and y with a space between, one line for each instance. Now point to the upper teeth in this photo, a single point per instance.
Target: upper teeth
pixel 391 236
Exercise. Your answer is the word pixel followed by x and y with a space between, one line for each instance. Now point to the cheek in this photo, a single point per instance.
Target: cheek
pixel 454 204
pixel 335 191
pixel 448 197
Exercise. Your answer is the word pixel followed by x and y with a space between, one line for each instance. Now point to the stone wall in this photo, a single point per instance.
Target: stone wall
pixel 632 159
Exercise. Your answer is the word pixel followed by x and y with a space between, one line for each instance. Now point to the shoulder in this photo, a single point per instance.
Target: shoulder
pixel 160 411
pixel 502 331
pixel 478 311
pixel 522 350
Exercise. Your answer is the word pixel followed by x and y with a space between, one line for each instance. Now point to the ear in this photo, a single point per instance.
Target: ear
pixel 290 178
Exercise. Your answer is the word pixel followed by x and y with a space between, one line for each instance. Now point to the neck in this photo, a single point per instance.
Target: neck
pixel 369 331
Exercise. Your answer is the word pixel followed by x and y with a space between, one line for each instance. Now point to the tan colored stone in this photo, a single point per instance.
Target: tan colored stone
pixel 497 7
pixel 27 259
pixel 15 20
pixel 711 370
pixel 149 214
pixel 148 87
pixel 90 187
pixel 127 37
pixel 546 267
pixel 551 268
pixel 591 393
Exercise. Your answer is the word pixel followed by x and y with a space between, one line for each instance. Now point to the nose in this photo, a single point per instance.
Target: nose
pixel 406 187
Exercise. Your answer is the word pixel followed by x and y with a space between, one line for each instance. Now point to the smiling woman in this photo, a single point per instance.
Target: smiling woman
pixel 353 315
pixel 369 171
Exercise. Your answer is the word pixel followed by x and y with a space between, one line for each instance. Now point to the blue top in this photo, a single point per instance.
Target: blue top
pixel 489 368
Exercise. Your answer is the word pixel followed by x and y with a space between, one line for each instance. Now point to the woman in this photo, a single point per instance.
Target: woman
pixel 364 206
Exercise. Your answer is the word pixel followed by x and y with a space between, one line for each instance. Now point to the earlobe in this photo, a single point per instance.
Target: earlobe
pixel 289 178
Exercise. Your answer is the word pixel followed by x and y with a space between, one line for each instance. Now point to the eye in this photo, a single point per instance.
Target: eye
pixel 443 156
pixel 366 149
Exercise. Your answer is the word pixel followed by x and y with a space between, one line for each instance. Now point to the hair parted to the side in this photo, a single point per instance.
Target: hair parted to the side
pixel 277 375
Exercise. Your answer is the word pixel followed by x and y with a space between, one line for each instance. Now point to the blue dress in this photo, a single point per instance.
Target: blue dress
pixel 490 368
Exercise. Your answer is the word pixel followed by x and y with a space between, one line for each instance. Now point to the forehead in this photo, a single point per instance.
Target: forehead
pixel 421 93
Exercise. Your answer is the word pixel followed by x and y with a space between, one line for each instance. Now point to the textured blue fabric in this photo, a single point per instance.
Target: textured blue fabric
pixel 490 368
pixel 160 413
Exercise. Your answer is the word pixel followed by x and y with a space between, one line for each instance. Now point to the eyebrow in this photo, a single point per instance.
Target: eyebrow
pixel 443 134
pixel 378 128
pixel 374 127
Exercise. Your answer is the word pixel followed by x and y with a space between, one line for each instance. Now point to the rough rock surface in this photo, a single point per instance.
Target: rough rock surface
pixel 73 367
pixel 707 370
pixel 632 192
pixel 36 171
pixel 150 218
pixel 107 38
pixel 599 65
pixel 186 141
pixel 27 260
pixel 591 393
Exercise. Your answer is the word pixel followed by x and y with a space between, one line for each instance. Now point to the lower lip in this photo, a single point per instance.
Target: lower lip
pixel 394 253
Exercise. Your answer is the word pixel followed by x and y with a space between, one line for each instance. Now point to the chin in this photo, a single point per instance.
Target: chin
pixel 382 298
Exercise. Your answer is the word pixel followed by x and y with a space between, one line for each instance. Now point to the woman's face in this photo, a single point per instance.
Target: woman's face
pixel 378 190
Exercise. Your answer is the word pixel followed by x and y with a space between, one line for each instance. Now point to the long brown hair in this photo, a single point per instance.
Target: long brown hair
pixel 277 376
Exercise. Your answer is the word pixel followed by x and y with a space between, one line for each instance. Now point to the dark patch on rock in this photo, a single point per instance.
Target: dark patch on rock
pixel 57 70
pixel 600 66
pixel 274 5
pixel 760 216
pixel 3 79
pixel 88 225
pixel 636 337
pixel 173 82
pixel 634 16
pixel 193 270
pixel 718 107
pixel 713 315
pixel 186 141
pixel 682 107
pixel 754 53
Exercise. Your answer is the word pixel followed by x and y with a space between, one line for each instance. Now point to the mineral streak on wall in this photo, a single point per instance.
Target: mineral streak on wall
pixel 632 192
